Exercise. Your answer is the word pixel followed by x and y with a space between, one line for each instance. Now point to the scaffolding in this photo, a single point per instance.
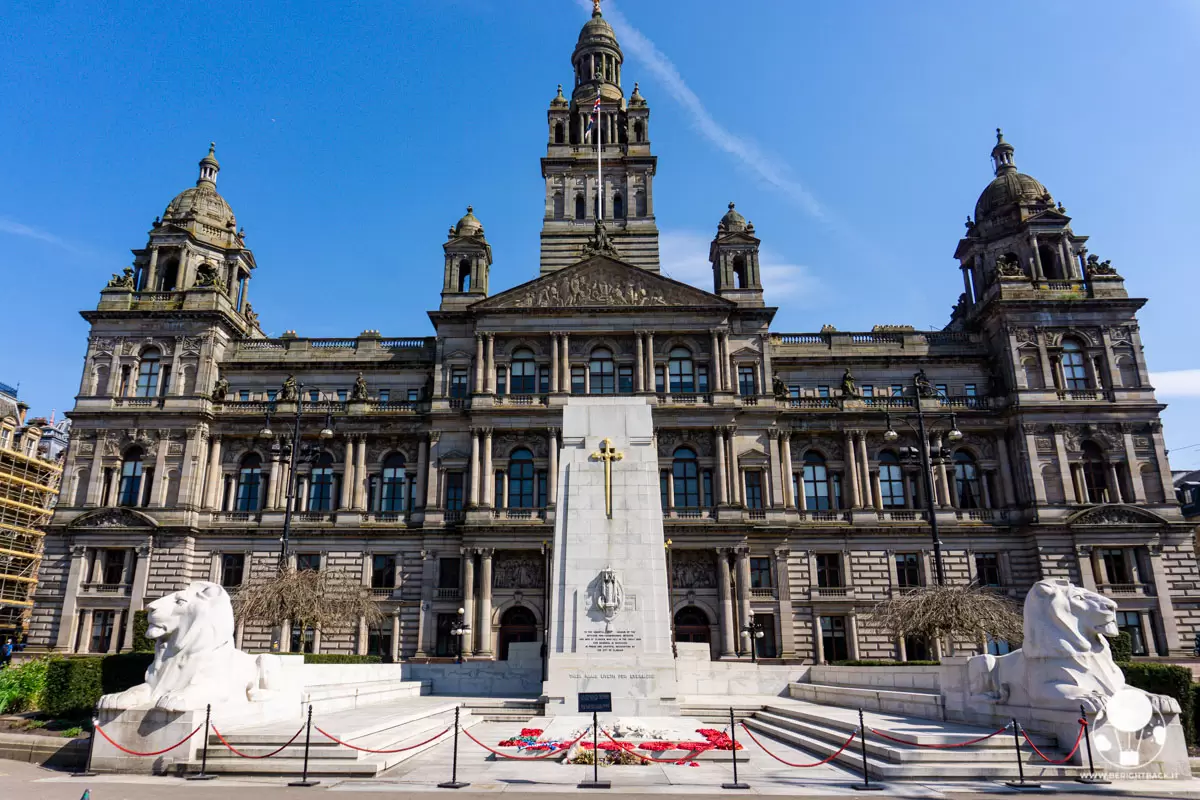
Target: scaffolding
pixel 28 488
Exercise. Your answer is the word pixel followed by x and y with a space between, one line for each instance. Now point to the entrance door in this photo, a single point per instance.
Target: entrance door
pixel 691 625
pixel 516 625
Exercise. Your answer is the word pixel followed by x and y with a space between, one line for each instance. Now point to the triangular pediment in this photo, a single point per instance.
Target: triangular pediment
pixel 601 282
pixel 113 518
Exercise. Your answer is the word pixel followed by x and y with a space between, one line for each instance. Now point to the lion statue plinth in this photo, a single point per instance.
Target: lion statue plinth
pixel 195 660
pixel 1064 661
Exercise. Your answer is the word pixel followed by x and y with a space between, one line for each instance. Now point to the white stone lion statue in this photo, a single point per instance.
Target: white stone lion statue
pixel 1065 660
pixel 195 660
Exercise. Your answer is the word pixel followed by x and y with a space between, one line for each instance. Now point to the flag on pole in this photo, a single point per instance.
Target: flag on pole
pixel 595 115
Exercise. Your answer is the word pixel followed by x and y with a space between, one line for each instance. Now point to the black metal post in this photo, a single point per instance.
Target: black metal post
pixel 595 782
pixel 203 774
pixel 304 781
pixel 1091 776
pixel 1020 784
pixel 454 782
pixel 87 768
pixel 866 785
pixel 290 504
pixel 733 749
pixel 927 471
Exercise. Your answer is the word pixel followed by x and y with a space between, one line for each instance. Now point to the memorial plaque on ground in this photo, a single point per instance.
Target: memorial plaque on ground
pixel 599 702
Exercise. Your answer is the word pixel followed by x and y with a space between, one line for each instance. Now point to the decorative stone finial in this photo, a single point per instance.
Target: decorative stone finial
pixel 595 8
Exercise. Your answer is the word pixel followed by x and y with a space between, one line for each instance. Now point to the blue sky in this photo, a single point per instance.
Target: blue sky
pixel 854 135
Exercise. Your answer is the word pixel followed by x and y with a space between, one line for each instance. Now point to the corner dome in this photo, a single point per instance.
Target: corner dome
pixel 201 208
pixel 469 225
pixel 597 31
pixel 732 222
pixel 1009 186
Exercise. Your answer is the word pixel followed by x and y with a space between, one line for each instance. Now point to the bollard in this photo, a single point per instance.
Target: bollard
pixel 203 775
pixel 866 785
pixel 454 782
pixel 1021 784
pixel 733 739
pixel 304 781
pixel 1091 776
pixel 87 768
pixel 595 782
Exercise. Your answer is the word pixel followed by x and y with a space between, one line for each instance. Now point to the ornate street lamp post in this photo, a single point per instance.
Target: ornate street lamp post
pixel 458 630
pixel 752 631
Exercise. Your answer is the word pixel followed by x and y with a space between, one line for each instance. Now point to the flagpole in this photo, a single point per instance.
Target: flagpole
pixel 599 157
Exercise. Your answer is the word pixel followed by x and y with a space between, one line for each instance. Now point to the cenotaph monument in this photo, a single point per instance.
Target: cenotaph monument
pixel 610 627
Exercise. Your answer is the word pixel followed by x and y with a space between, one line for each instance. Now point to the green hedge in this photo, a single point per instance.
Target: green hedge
pixel 1195 729
pixel 22 686
pixel 1122 647
pixel 1168 679
pixel 119 672
pixel 338 658
pixel 74 685
pixel 141 644
pixel 871 663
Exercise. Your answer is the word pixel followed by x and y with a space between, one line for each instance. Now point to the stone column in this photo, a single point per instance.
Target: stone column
pixel 670 493
pixel 468 600
pixel 851 472
pixel 431 472
pixel 490 374
pixel 864 467
pixel 475 478
pixel 1035 465
pixel 1114 483
pixel 818 639
pixel 744 599
pixel 95 490
pixel 64 638
pixel 789 495
pixel 347 476
pixel 1135 472
pixel 275 487
pixel 1064 466
pixel 639 366
pixel 425 620
pixel 985 479
pixel 1048 380
pixel 783 584
pixel 722 482
pixel 483 637
pixel 422 472
pixel 564 371
pixel 1006 485
pixel 943 479
pixel 1038 272
pixel 1162 592
pixel 727 367
pixel 489 479
pixel 479 386
pixel 1087 566
pixel 213 475
pixel 189 489
pixel 728 634
pixel 738 486
pixel 395 636
pixel 652 384
pixel 85 631
pixel 715 363
pixel 876 491
pixel 552 472
pixel 852 635
pixel 1160 461
pixel 554 385
pixel 1139 356
pixel 765 344
pixel 137 592
pixel 360 475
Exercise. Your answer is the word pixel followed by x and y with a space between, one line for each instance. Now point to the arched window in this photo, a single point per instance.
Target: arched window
pixel 560 208
pixel 686 474
pixel 966 480
pixel 524 372
pixel 393 489
pixel 101 384
pixel 130 491
pixel 168 276
pixel 1127 370
pixel 681 370
pixel 739 272
pixel 618 207
pixel 639 132
pixel 601 366
pixel 520 479
pixel 148 369
pixel 320 490
pixel 249 483
pixel 580 207
pixel 692 625
pixel 1095 476
pixel 464 275
pixel 558 133
pixel 891 480
pixel 816 482
pixel 1033 373
pixel 1074 371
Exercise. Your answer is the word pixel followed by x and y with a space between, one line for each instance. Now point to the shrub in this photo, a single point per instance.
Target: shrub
pixel 1168 679
pixel 1122 647
pixel 22 686
pixel 340 658
pixel 73 686
pixel 141 644
pixel 952 613
pixel 884 663
pixel 121 671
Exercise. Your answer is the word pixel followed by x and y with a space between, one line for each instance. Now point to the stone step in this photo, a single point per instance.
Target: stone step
pixel 962 766
pixel 348 725
pixel 337 697
pixel 909 703
pixel 713 714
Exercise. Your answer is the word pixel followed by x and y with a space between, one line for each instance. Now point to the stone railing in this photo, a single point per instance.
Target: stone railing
pixel 763 593
pixel 530 514
pixel 156 301
pixel 831 593
pixel 394 406
pixel 687 513
pixel 106 588
pixel 313 516
pixel 402 344
pixel 521 399
pixel 756 513
pixel 243 517
pixel 245 406
pixel 448 594
pixel 983 514
pixel 824 516
pixel 453 517
pixel 385 517
pixel 817 403
pixel 1082 394
pixel 685 399
pixel 1127 589
pixel 900 515
pixel 383 593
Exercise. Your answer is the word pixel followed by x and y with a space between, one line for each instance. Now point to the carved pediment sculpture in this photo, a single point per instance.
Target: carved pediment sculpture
pixel 113 518
pixel 1115 515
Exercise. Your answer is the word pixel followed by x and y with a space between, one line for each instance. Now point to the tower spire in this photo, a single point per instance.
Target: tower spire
pixel 209 166
pixel 1002 155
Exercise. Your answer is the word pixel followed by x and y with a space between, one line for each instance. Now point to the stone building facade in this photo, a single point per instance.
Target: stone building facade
pixel 429 463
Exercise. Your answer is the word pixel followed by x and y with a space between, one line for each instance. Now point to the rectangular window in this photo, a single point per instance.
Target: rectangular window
pixel 379 641
pixel 449 570
pixel 383 572
pixel 916 648
pixel 165 388
pixel 837 491
pixel 833 639
pixel 702 379
pixel 822 391
pixel 998 647
pixel 244 396
pixel 765 645
pixel 1116 566
pixel 542 486
pixel 625 379
pixel 233 569
pixel 829 570
pixel 578 380
pixel 1131 622
pixel 660 379
pixel 969 390
pixel 454 491
pixel 941 389
pixel 303 640
pixel 414 395
pixel 102 630
pixel 987 569
pixel 908 570
pixel 760 573
pixel 501 381
pixel 384 395
pixel 113 567
pixel 897 390
pixel 754 489
pixel 308 561
pixel 498 491
pixel 746 380
pixel 447 643
pixel 458 382
pixel 706 478
pixel 342 394
pixel 544 380
pixel 663 479
pixel 793 392
pixel 314 396
pixel 868 391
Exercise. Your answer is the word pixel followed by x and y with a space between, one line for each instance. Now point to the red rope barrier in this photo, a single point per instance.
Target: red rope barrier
pixel 800 766
pixel 688 757
pixel 883 735
pixel 1078 739
pixel 368 750
pixel 239 753
pixel 156 752
pixel 546 755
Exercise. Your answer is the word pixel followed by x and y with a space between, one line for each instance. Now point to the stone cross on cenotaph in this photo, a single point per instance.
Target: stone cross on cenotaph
pixel 610 617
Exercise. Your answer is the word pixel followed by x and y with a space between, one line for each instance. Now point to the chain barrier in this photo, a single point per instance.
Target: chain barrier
pixel 546 755
pixel 951 746
pixel 840 750
pixel 330 736
pixel 240 754
pixel 108 738
pixel 1069 756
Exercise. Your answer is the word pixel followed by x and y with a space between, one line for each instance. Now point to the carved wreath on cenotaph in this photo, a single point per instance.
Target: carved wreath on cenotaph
pixel 610 596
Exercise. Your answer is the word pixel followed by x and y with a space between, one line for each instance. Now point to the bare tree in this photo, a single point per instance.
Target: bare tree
pixel 308 598
pixel 949 613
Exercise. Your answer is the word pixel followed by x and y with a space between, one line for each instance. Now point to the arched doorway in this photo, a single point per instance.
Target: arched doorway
pixel 516 625
pixel 691 625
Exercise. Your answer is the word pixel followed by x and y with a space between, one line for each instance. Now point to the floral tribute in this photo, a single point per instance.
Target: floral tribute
pixel 528 740
pixel 714 739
